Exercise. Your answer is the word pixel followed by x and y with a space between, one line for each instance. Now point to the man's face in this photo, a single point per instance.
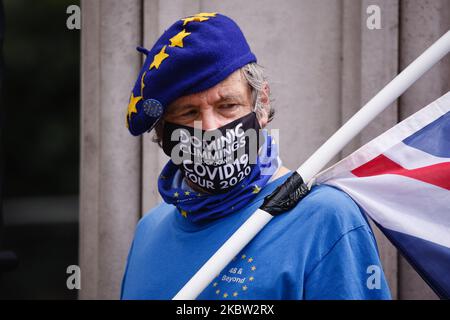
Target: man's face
pixel 225 102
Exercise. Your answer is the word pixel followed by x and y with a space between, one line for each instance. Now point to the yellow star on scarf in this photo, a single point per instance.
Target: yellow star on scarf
pixel 235 294
pixel 176 194
pixel 256 189
pixel 225 295
pixel 253 268
pixel 217 291
pixel 158 58
pixel 244 288
pixel 184 213
pixel 250 260
pixel 251 279
pixel 187 193
pixel 177 41
pixel 132 104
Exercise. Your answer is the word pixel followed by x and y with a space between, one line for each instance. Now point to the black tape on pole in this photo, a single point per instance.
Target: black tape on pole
pixel 285 196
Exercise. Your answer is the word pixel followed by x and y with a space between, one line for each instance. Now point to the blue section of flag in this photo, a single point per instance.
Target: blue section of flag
pixel 430 260
pixel 433 138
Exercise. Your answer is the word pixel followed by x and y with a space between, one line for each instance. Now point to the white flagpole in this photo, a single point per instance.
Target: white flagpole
pixel 315 163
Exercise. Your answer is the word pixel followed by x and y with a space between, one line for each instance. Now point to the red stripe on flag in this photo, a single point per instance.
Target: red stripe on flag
pixel 437 174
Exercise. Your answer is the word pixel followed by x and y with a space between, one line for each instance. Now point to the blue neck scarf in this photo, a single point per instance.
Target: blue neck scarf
pixel 200 207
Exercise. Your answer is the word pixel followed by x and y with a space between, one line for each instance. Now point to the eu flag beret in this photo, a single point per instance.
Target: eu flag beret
pixel 194 54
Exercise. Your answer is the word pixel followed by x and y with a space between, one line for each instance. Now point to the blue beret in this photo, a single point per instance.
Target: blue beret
pixel 194 54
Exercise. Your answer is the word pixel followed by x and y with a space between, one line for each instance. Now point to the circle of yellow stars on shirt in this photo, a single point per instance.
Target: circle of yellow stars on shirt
pixel 175 41
pixel 244 287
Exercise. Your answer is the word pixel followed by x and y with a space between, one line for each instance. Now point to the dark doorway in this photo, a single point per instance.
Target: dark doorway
pixel 40 148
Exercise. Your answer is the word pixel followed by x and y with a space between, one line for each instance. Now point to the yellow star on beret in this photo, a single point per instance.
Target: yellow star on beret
pixel 142 82
pixel 199 17
pixel 206 14
pixel 191 19
pixel 132 107
pixel 159 58
pixel 177 41
pixel 132 104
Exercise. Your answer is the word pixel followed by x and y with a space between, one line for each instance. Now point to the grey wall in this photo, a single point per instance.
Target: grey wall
pixel 323 65
pixel 110 191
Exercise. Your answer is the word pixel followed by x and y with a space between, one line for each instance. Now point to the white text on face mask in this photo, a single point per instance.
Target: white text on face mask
pixel 229 174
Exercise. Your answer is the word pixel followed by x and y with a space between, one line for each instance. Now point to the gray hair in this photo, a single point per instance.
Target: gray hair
pixel 256 78
pixel 254 74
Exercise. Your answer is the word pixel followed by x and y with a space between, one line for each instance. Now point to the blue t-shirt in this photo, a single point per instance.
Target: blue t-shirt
pixel 321 249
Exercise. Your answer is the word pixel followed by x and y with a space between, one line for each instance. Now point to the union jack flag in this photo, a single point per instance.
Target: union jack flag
pixel 401 180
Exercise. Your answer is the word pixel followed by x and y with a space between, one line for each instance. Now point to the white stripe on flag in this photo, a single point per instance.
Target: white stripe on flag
pixel 412 158
pixel 402 204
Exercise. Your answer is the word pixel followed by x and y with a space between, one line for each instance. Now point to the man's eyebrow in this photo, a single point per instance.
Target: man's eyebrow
pixel 179 107
pixel 223 98
pixel 230 97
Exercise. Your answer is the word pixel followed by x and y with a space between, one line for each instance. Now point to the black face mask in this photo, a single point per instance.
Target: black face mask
pixel 214 160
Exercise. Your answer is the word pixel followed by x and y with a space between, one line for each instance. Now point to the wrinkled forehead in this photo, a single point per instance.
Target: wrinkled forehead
pixel 234 88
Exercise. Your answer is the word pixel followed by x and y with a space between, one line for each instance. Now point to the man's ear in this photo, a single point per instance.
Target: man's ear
pixel 264 100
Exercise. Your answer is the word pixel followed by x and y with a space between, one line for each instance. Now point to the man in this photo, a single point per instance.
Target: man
pixel 202 91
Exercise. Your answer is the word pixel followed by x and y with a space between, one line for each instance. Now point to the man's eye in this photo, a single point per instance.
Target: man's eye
pixel 189 113
pixel 229 106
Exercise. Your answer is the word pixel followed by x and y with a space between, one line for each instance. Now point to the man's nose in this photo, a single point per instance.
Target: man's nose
pixel 209 120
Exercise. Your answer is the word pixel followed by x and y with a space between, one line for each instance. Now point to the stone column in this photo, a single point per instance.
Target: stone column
pixel 110 178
